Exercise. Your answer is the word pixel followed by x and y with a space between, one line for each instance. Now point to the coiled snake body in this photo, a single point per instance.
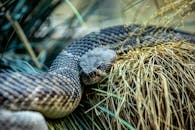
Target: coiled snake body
pixel 23 96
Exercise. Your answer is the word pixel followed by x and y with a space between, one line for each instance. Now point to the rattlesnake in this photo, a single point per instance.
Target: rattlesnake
pixel 25 97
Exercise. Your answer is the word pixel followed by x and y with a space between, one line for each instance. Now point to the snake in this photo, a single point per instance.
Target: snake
pixel 27 98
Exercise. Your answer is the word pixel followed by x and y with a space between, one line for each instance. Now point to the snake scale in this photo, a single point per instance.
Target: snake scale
pixel 26 97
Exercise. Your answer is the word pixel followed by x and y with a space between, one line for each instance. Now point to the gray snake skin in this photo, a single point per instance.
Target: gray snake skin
pixel 25 97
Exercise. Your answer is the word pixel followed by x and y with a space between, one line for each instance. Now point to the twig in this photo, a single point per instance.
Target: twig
pixel 23 38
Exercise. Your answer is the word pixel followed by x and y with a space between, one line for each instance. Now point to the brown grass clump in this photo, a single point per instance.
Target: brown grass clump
pixel 148 88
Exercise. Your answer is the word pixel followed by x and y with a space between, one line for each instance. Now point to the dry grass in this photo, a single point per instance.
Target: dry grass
pixel 148 88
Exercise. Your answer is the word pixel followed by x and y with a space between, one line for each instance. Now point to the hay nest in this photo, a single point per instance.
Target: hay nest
pixel 150 87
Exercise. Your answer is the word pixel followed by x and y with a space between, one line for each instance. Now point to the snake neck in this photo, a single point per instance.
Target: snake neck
pixel 66 64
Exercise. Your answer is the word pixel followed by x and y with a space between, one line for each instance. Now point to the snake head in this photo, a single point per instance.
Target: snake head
pixel 95 64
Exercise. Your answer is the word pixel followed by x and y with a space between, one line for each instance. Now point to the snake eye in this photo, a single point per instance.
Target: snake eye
pixel 104 67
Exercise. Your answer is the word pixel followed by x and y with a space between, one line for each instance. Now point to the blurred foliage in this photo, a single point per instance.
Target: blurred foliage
pixel 30 14
pixel 48 25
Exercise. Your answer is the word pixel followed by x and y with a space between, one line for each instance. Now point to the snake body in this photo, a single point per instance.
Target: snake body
pixel 58 92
